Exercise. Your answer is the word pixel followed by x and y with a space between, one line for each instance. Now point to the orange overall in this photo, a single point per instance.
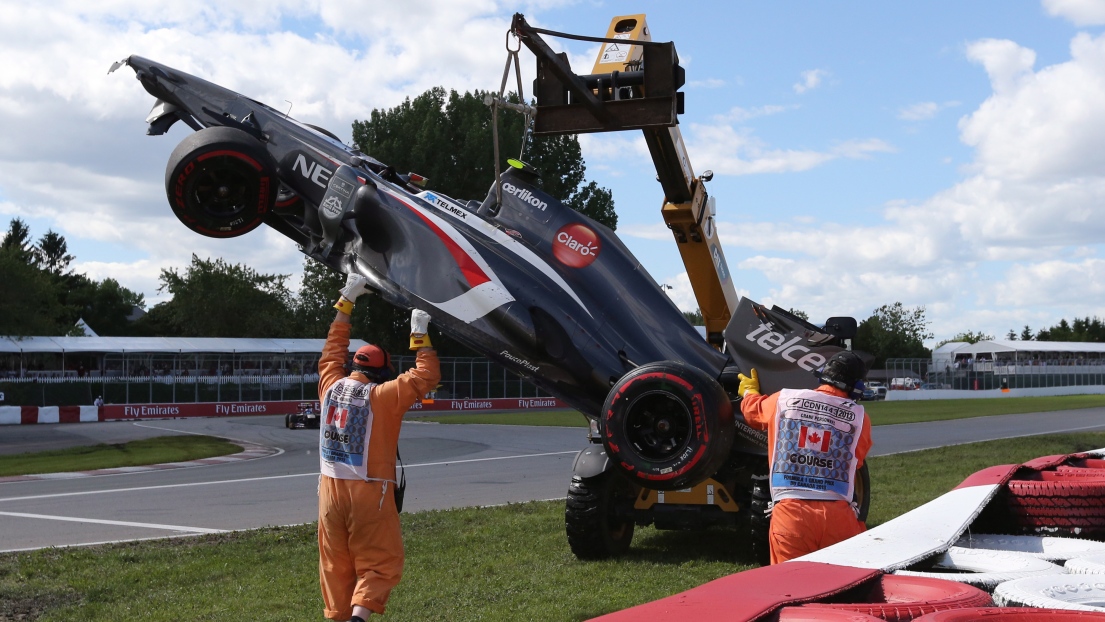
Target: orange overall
pixel 360 544
pixel 801 526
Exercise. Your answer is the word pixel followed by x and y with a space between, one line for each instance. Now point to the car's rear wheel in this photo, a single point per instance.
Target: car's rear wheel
pixel 221 182
pixel 668 425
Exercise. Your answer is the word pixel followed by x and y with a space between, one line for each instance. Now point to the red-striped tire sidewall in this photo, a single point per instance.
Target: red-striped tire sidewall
pixel 901 599
pixel 711 418
pixel 1010 614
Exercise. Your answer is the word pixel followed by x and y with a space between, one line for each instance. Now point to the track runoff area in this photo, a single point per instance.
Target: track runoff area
pixel 447 466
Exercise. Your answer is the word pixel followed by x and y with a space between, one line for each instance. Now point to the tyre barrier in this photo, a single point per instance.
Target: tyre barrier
pixel 985 569
pixel 802 614
pixel 1050 548
pixel 1010 614
pixel 1090 564
pixel 896 598
pixel 1072 592
pixel 1076 506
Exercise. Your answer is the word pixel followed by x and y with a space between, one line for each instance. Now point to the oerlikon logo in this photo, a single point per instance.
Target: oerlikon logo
pixel 576 245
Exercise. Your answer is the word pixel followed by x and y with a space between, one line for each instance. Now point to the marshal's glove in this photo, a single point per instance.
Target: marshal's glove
pixel 749 384
pixel 354 287
pixel 420 324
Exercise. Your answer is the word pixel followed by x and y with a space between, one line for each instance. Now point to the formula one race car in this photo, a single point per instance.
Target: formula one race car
pixel 306 416
pixel 532 284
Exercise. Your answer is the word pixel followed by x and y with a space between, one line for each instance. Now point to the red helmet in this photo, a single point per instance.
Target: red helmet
pixel 371 356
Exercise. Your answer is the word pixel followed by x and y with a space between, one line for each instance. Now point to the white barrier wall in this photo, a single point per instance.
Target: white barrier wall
pixel 948 394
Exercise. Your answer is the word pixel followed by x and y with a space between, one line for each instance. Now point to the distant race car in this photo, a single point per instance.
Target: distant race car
pixel 307 417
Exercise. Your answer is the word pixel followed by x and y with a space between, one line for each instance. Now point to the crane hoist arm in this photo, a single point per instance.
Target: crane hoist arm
pixel 634 84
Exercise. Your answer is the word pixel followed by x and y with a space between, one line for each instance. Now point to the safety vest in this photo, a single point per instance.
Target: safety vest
pixel 345 429
pixel 815 446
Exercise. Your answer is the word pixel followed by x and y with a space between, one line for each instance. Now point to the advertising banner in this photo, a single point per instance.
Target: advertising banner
pixel 123 412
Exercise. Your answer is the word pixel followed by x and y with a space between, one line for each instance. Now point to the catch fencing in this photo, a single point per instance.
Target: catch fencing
pixel 461 378
pixel 908 374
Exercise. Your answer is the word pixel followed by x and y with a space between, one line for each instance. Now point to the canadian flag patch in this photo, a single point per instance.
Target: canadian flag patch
pixel 813 438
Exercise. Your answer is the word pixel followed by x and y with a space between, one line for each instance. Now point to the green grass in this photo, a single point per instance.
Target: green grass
pixel 882 413
pixel 888 413
pixel 501 563
pixel 135 453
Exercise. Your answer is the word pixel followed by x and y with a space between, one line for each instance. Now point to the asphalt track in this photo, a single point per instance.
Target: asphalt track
pixel 448 466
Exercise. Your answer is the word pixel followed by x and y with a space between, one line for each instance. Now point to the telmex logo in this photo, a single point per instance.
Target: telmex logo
pixel 525 195
pixel 576 245
pixel 776 343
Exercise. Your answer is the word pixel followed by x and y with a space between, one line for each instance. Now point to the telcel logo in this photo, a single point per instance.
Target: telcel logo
pixel 576 245
pixel 525 195
pixel 776 343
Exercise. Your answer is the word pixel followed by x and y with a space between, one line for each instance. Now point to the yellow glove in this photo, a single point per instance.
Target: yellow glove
pixel 749 384
pixel 420 324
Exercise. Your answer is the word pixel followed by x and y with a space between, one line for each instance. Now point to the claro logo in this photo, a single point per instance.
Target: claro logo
pixel 526 196
pixel 576 245
pixel 776 343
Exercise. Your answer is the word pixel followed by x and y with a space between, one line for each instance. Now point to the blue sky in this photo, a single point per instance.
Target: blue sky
pixel 943 153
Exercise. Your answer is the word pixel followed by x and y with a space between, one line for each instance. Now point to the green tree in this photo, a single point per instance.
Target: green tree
pixel 695 317
pixel 28 297
pixel 799 313
pixel 1026 333
pixel 448 139
pixel 894 331
pixel 106 305
pixel 52 253
pixel 971 336
pixel 1090 329
pixel 1011 335
pixel 212 298
pixel 17 240
pixel 314 304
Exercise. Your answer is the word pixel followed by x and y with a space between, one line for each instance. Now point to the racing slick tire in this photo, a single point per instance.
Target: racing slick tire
pixel 1010 614
pixel 597 515
pixel 288 422
pixel 900 599
pixel 1073 592
pixel 221 182
pixel 667 425
pixel 1076 506
pixel 1050 548
pixel 984 569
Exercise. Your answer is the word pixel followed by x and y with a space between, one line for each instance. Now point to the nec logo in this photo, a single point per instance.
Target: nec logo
pixel 776 343
pixel 314 172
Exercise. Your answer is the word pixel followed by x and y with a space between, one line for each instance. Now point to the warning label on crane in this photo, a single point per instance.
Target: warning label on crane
pixel 616 52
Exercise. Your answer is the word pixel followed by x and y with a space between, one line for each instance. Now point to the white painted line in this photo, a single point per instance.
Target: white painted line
pixel 551 453
pixel 279 450
pixel 1000 438
pixel 260 479
pixel 69 546
pixel 119 523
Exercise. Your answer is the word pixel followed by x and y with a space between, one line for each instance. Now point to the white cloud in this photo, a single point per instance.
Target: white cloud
pixel 1033 200
pixel 1080 12
pixel 923 111
pixel 708 83
pixel 738 114
pixel 811 79
pixel 731 151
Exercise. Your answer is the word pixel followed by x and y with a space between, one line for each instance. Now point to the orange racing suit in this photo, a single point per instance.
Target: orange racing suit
pixel 359 539
pixel 804 525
